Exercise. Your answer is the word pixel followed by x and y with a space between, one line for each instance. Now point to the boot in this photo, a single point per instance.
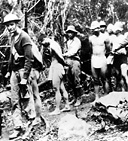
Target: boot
pixel 78 94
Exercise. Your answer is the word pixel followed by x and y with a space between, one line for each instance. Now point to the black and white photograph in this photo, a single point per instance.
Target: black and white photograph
pixel 63 70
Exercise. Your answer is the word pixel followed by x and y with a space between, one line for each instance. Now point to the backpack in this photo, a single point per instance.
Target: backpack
pixel 38 60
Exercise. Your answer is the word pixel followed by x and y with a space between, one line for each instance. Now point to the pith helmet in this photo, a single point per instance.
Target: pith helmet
pixel 118 26
pixel 94 25
pixel 110 28
pixel 71 28
pixel 102 24
pixel 10 17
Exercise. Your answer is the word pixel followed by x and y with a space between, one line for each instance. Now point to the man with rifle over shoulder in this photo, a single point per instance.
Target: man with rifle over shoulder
pixel 23 70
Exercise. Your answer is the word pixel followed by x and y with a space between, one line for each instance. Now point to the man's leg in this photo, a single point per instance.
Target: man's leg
pixel 76 73
pixel 37 99
pixel 16 109
pixel 124 72
pixel 109 77
pixel 95 74
pixel 57 102
pixel 65 94
pixel 56 81
pixel 34 75
pixel 104 79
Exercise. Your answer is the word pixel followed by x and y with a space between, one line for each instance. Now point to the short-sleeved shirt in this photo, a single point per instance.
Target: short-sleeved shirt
pixel 23 47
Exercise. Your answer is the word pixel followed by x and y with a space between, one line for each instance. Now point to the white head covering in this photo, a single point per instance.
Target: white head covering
pixel 110 28
pixel 71 28
pixel 102 23
pixel 118 26
pixel 10 17
pixel 55 46
pixel 95 25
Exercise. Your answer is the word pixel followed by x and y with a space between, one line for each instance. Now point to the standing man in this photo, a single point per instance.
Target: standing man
pixel 56 74
pixel 73 60
pixel 98 58
pixel 23 74
pixel 120 58
pixel 110 56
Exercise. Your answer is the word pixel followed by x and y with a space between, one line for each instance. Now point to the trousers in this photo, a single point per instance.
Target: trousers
pixel 31 104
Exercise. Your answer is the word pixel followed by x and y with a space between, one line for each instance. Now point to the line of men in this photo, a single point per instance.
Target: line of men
pixel 25 65
pixel 109 56
pixel 118 60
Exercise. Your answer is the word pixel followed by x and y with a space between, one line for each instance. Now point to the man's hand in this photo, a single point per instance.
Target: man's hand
pixel 23 81
pixel 7 75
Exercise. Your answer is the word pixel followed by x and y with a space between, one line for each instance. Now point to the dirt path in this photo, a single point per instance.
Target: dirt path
pixel 111 133
pixel 4 135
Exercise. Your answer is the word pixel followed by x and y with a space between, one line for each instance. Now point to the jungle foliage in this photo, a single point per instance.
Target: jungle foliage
pixel 52 16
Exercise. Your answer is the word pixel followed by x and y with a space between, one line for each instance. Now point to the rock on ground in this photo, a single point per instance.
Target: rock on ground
pixel 70 126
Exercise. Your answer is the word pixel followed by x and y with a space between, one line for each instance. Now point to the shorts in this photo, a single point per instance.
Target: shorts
pixel 98 61
pixel 56 72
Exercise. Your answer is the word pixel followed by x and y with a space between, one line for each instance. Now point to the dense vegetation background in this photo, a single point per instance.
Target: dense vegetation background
pixel 52 16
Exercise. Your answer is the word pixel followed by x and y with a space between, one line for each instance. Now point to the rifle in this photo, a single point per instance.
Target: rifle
pixel 26 16
pixel 26 21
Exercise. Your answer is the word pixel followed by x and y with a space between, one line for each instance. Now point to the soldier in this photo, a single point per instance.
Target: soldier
pixel 56 74
pixel 24 69
pixel 120 58
pixel 110 56
pixel 73 60
pixel 98 58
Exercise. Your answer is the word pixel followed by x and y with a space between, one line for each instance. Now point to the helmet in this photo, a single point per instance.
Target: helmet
pixel 71 28
pixel 10 17
pixel 110 28
pixel 118 26
pixel 102 24
pixel 94 25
